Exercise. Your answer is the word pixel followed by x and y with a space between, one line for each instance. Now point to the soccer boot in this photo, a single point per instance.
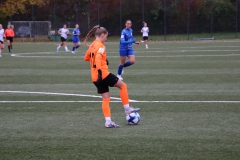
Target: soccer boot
pixel 131 109
pixel 111 125
pixel 120 77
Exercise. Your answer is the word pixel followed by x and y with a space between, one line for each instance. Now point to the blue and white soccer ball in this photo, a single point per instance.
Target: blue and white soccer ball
pixel 133 118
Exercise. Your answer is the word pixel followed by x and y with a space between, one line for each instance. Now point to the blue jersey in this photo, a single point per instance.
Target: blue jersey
pixel 126 40
pixel 76 37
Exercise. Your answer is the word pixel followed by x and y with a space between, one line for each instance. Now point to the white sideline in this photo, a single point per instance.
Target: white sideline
pixel 60 94
pixel 20 55
pixel 120 102
pixel 94 96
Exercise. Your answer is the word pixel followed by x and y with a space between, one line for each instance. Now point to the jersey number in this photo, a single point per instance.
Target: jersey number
pixel 93 65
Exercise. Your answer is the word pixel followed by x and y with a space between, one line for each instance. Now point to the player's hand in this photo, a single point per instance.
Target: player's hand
pixel 133 40
pixel 99 80
pixel 138 43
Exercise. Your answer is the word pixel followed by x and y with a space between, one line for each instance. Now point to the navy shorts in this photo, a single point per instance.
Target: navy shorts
pixel 76 40
pixel 125 53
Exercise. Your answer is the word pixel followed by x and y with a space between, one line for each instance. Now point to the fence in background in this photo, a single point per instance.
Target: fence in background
pixel 31 29
pixel 163 17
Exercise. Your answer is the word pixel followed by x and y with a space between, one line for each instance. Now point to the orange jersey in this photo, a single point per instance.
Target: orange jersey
pixel 96 55
pixel 9 33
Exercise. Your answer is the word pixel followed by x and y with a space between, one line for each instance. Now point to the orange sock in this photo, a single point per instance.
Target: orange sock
pixel 106 107
pixel 124 94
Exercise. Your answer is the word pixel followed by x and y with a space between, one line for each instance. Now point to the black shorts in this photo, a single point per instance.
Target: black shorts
pixel 1 42
pixel 63 39
pixel 145 38
pixel 10 39
pixel 107 82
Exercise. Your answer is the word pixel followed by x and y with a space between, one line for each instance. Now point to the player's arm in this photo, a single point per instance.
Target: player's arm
pixel 75 34
pixel 98 59
pixel 68 33
pixel 87 56
pixel 13 33
pixel 98 63
pixel 59 32
pixel 5 33
pixel 141 30
pixel 123 41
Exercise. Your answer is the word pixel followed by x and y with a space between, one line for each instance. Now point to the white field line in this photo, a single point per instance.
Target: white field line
pixel 59 94
pixel 93 96
pixel 167 56
pixel 204 47
pixel 158 51
pixel 228 102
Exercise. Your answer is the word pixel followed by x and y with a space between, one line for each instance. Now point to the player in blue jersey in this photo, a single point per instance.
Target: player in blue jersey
pixel 126 49
pixel 75 38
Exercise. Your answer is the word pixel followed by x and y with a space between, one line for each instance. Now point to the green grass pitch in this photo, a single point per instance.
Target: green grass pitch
pixel 188 92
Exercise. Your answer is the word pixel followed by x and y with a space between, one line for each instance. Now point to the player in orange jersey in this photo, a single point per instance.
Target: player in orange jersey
pixel 102 78
pixel 9 34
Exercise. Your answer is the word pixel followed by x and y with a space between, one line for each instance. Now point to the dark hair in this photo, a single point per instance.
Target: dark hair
pixel 128 20
pixel 97 30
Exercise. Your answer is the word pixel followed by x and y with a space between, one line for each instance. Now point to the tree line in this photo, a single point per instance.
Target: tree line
pixel 203 15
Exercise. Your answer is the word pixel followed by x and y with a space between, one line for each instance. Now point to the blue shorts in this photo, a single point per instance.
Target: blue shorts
pixel 125 53
pixel 76 40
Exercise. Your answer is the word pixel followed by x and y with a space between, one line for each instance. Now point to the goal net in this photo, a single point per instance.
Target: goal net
pixel 30 29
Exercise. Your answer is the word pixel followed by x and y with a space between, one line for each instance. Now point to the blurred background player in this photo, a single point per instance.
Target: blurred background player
pixel 145 31
pixel 1 39
pixel 75 38
pixel 9 34
pixel 126 49
pixel 63 32
pixel 102 78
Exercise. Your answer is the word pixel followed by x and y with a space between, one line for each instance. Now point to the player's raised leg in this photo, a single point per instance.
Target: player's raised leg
pixel 124 97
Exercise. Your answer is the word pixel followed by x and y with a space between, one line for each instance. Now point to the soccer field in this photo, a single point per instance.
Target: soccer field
pixel 188 92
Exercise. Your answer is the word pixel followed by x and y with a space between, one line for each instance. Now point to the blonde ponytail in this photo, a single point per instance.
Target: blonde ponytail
pixel 93 30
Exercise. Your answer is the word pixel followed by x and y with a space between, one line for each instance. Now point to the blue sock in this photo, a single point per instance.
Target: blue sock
pixel 127 64
pixel 120 69
pixel 73 49
pixel 77 47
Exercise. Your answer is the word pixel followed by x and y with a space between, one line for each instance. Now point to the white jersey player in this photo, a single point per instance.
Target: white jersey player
pixel 145 31
pixel 1 40
pixel 64 33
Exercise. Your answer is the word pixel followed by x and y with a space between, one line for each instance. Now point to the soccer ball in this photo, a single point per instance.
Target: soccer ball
pixel 133 118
